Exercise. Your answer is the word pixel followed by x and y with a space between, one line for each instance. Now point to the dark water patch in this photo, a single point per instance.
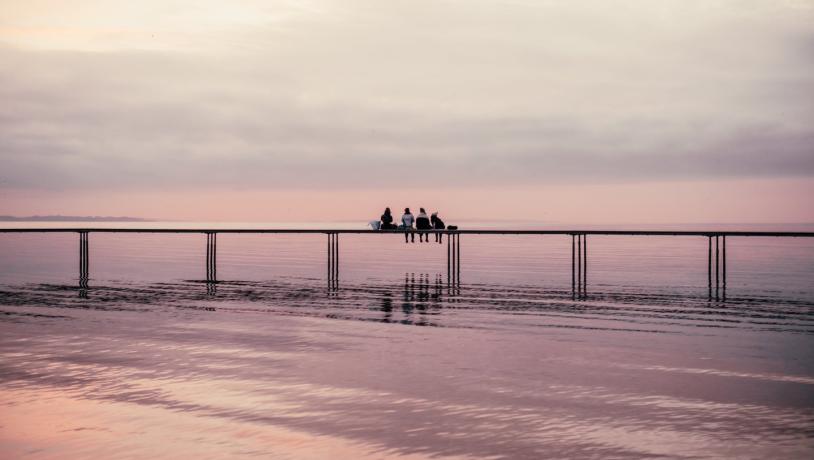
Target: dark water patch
pixel 433 302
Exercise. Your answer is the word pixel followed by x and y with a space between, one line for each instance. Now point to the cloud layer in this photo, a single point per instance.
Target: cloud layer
pixel 316 95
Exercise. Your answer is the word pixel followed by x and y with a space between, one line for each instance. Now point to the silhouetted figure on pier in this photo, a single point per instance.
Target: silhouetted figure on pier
pixel 437 224
pixel 387 220
pixel 407 223
pixel 422 224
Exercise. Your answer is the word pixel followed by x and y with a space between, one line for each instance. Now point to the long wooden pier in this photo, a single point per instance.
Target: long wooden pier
pixel 716 249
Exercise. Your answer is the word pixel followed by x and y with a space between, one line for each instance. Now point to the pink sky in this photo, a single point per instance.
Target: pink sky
pixel 557 111
pixel 711 201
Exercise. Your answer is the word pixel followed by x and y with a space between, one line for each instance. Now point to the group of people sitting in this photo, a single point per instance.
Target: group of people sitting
pixel 422 222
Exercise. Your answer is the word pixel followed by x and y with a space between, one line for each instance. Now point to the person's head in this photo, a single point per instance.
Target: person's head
pixel 387 210
pixel 406 210
pixel 422 210
pixel 435 214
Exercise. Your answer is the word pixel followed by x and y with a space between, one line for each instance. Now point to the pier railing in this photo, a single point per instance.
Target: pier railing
pixel 716 248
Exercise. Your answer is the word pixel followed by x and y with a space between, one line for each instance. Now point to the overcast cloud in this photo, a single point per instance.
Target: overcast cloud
pixel 343 94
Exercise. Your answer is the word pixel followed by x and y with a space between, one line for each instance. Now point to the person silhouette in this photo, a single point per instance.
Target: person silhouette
pixel 387 220
pixel 437 224
pixel 407 221
pixel 422 222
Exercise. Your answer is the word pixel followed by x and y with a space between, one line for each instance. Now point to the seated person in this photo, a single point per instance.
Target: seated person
pixel 387 221
pixel 407 225
pixel 437 224
pixel 422 222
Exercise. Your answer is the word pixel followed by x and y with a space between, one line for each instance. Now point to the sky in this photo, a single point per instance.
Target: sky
pixel 561 111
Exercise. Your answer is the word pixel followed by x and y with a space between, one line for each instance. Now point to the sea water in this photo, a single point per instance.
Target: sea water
pixel 395 360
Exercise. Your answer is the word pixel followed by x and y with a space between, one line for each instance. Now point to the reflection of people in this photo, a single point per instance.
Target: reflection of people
pixel 409 295
pixel 407 221
pixel 387 307
pixel 387 220
pixel 437 224
pixel 422 222
pixel 418 296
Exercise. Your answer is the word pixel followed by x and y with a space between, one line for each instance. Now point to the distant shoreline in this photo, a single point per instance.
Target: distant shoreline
pixel 72 219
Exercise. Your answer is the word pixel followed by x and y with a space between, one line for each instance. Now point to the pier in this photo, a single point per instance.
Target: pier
pixel 716 249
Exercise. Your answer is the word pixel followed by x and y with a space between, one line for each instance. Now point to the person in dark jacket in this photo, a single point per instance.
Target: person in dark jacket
pixel 387 220
pixel 422 222
pixel 437 224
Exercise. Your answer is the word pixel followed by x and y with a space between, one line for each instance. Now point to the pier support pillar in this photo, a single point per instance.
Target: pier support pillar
pixel 211 257
pixel 579 265
pixel 84 263
pixel 453 258
pixel 716 290
pixel 584 265
pixel 723 240
pixel 333 261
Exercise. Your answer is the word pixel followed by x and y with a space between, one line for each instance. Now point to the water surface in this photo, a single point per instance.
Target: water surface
pixel 151 361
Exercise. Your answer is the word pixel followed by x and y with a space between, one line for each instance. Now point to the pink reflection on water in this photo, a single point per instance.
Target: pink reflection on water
pixel 272 363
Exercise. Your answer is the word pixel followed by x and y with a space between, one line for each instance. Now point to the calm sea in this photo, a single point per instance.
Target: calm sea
pixel 150 361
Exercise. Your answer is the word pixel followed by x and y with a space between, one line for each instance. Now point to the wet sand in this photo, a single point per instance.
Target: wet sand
pixel 355 376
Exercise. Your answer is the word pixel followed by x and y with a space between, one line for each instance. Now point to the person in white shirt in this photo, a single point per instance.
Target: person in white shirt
pixel 407 221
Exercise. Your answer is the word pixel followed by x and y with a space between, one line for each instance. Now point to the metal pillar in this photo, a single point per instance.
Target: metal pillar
pixel 449 256
pixel 717 263
pixel 719 292
pixel 579 265
pixel 709 266
pixel 211 257
pixel 573 272
pixel 453 258
pixel 333 261
pixel 458 258
pixel 723 240
pixel 84 260
pixel 584 265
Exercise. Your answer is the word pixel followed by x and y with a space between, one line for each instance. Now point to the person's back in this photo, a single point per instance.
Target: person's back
pixel 387 220
pixel 437 224
pixel 422 222
pixel 407 221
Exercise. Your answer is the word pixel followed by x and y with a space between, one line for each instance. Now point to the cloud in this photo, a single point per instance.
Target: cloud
pixel 483 93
